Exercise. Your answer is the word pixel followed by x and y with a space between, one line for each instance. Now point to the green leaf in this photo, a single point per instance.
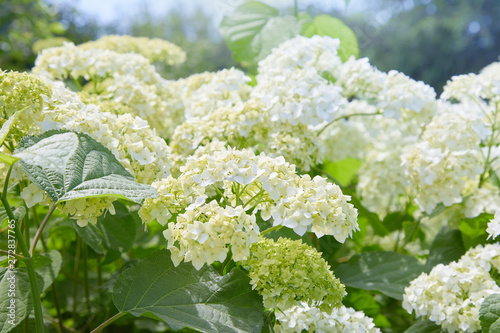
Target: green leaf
pixel 446 247
pixel 344 171
pixel 7 125
pixel 91 236
pixel 489 314
pixel 474 230
pixel 378 227
pixel 325 25
pixel 4 132
pixel 69 165
pixel 254 28
pixel 48 267
pixel 424 326
pixel 15 283
pixel 185 297
pixel 118 230
pixel 386 272
pixel 8 159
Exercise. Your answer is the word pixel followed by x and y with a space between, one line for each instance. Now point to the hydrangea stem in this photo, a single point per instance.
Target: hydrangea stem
pixel 109 321
pixel 35 293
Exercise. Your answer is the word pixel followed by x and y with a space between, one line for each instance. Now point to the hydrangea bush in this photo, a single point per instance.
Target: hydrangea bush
pixel 319 195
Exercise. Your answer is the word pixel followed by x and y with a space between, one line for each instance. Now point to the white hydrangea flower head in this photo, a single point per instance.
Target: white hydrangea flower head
pixel 132 95
pixel 298 202
pixel 59 62
pixel 485 199
pixel 382 184
pixel 203 234
pixel 493 229
pixel 307 318
pixel 154 49
pixel 257 184
pixel 299 96
pixel 400 92
pixel 318 52
pixel 451 295
pixel 87 210
pixel 448 155
pixel 206 92
pixel 338 137
pixel 483 87
pixel 359 79
pixel 243 125
pixel 247 125
pixel 174 196
pixel 286 272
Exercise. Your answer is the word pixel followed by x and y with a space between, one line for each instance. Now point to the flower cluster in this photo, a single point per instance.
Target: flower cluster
pixel 493 229
pixel 154 49
pixel 447 156
pixel 51 106
pixel 451 295
pixel 286 272
pixel 203 234
pixel 303 317
pixel 93 64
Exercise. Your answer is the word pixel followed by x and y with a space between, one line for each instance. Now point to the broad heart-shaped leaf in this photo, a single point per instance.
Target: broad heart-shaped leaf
pixel 489 314
pixel 448 246
pixel 118 230
pixel 184 297
pixel 69 165
pixel 48 266
pixel 384 271
pixel 254 28
pixel 325 25
pixel 424 326
pixel 21 295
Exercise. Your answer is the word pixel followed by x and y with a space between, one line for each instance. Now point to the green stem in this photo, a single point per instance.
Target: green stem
pixel 18 256
pixel 276 227
pixel 221 194
pixel 109 321
pixel 487 162
pixel 35 293
pixel 86 277
pixel 254 197
pixel 40 229
pixel 296 8
pixel 347 116
pixel 75 273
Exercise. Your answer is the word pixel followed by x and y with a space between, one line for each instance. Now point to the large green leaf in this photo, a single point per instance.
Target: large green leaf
pixel 184 297
pixel 48 266
pixel 489 314
pixel 69 165
pixel 325 25
pixel 92 236
pixel 15 283
pixel 387 272
pixel 424 326
pixel 446 247
pixel 118 230
pixel 254 28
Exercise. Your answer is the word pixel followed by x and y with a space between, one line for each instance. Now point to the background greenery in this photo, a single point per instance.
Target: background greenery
pixel 448 37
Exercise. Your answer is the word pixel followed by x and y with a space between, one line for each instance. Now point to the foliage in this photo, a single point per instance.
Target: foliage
pixel 322 193
pixel 27 22
pixel 421 40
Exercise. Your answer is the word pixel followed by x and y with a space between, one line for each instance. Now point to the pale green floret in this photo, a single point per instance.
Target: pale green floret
pixel 286 272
